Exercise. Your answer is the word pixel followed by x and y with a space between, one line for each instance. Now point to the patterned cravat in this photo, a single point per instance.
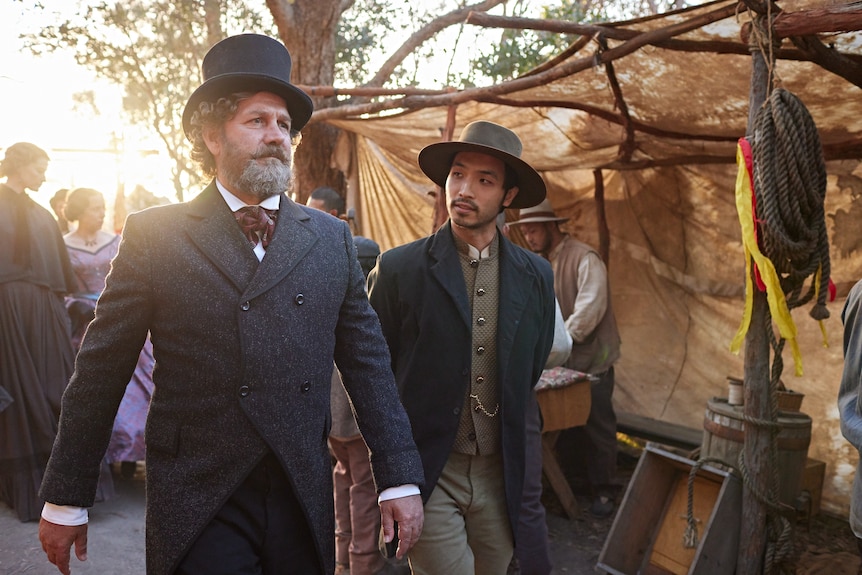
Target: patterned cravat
pixel 254 219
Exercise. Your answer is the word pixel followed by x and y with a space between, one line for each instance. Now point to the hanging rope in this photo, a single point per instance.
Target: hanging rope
pixel 781 186
pixel 690 537
pixel 789 188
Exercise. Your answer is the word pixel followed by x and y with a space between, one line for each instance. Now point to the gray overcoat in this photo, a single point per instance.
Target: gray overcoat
pixel 244 356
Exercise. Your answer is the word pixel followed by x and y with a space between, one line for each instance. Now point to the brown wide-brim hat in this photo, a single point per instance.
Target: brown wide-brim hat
pixel 249 63
pixel 542 212
pixel 494 140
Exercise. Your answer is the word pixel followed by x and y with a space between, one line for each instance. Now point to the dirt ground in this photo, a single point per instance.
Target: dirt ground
pixel 824 545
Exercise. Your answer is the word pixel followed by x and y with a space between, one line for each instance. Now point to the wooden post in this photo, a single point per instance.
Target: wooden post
pixel 601 218
pixel 752 537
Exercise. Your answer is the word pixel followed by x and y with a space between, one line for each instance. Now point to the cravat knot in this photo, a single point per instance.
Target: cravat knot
pixel 257 224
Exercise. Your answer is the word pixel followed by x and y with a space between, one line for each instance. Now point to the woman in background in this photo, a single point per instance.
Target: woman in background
pixel 36 355
pixel 91 250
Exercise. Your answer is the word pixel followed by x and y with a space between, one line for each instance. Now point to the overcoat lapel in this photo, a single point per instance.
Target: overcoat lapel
pixel 291 241
pixel 213 229
pixel 446 270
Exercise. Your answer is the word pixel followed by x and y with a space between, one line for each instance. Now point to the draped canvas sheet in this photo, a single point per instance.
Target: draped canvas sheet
pixel 676 258
pixel 676 269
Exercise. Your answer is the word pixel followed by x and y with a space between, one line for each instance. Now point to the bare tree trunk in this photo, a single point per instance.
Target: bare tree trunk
pixel 307 28
pixel 212 12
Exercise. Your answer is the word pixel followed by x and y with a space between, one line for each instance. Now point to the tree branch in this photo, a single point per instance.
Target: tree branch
pixel 587 31
pixel 420 36
pixel 845 18
pixel 627 148
pixel 828 59
pixel 330 91
pixel 526 82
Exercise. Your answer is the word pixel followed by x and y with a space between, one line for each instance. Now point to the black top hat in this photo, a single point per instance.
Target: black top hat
pixel 494 140
pixel 249 63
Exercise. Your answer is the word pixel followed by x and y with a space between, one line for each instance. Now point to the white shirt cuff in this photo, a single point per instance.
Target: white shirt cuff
pixel 68 515
pixel 397 492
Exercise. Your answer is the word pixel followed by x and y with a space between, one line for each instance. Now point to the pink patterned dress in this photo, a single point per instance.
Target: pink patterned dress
pixel 127 438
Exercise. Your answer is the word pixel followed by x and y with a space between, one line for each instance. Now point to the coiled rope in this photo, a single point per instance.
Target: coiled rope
pixel 789 177
pixel 789 190
pixel 790 187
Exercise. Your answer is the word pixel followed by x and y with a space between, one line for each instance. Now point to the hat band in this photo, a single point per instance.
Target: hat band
pixel 538 215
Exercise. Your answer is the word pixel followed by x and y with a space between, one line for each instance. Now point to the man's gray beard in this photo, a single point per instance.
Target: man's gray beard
pixel 263 181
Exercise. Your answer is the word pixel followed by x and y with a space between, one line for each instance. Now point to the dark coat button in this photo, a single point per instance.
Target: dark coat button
pixel 299 299
pixel 306 385
pixel 471 436
pixel 245 305
pixel 244 391
pixel 480 321
pixel 457 411
pixel 480 350
pixel 480 291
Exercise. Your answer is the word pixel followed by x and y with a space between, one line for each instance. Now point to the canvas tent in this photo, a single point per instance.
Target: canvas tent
pixel 661 126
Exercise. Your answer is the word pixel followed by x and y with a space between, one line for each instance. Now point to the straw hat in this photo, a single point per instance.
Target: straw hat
pixel 543 212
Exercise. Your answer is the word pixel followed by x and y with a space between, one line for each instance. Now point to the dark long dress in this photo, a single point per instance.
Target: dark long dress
pixel 36 356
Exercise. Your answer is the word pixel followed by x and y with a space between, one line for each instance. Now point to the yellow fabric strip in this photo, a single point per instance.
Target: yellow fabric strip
pixel 774 295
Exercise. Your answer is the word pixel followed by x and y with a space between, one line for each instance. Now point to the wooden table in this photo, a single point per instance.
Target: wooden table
pixel 562 408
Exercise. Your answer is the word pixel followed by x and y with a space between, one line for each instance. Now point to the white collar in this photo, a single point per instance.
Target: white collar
pixel 234 203
pixel 475 254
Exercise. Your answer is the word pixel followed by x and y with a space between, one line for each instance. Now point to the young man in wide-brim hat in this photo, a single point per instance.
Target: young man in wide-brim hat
pixel 469 318
pixel 249 297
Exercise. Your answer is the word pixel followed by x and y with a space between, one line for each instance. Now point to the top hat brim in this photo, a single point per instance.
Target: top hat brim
pixel 299 104
pixel 436 161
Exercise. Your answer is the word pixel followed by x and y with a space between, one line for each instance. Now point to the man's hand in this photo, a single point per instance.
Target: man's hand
pixel 409 514
pixel 58 539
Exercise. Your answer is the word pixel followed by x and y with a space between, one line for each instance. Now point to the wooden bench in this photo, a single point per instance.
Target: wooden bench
pixel 659 431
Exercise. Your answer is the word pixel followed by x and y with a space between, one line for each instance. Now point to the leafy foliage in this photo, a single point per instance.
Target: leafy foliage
pixel 361 32
pixel 153 49
pixel 518 51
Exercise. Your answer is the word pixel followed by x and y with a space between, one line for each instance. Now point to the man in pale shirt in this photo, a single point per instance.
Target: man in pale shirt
pixel 582 289
pixel 249 298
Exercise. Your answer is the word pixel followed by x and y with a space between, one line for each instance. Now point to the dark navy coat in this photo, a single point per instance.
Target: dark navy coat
pixel 419 293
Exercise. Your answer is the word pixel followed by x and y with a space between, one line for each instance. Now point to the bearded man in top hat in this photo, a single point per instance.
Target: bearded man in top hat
pixel 469 318
pixel 247 308
pixel 581 285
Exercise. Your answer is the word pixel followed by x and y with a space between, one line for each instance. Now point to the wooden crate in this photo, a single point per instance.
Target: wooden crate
pixel 647 534
pixel 812 482
pixel 565 407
